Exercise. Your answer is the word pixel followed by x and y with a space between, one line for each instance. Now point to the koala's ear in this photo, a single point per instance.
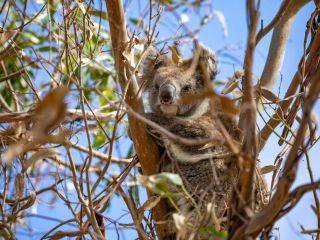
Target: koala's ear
pixel 152 61
pixel 207 61
pixel 148 61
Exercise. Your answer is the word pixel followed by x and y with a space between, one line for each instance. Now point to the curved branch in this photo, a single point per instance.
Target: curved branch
pixel 279 41
pixel 265 30
pixel 145 147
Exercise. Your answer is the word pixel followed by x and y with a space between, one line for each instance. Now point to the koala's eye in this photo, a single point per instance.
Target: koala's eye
pixel 186 88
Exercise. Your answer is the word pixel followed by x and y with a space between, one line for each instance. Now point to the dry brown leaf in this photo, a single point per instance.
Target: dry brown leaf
pixel 232 84
pixel 269 95
pixel 194 97
pixel 239 74
pixel 128 52
pixel 41 153
pixel 6 35
pixel 65 234
pixel 149 204
pixel 267 169
pixel 101 223
pixel 237 94
pixel 12 151
pixel 19 184
pixel 175 54
pixel 29 203
pixel 312 127
pixel 232 87
pixel 50 110
pixel 48 113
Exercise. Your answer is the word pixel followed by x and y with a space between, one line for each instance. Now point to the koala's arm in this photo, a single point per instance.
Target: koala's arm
pixel 202 128
pixel 181 127
pixel 189 129
pixel 162 121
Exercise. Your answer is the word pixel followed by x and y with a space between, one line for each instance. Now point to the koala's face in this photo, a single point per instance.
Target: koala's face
pixel 167 83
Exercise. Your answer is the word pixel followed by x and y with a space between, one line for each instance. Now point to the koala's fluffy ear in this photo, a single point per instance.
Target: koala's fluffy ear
pixel 207 61
pixel 148 61
pixel 151 62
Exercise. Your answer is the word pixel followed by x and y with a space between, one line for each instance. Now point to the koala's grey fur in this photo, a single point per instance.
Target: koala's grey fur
pixel 209 173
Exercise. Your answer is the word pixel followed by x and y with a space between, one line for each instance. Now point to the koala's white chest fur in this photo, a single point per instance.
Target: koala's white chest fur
pixel 203 108
pixel 186 157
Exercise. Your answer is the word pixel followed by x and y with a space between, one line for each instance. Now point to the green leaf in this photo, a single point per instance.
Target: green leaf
pixel 219 83
pixel 166 2
pixel 160 183
pixel 99 139
pixel 204 20
pixel 133 21
pixel 210 229
pixel 171 177
pixel 109 94
pixel 32 37
pixel 47 49
pixel 98 13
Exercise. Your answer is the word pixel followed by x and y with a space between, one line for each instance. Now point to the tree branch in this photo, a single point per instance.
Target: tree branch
pixel 145 147
pixel 247 123
pixel 284 105
pixel 267 215
pixel 278 42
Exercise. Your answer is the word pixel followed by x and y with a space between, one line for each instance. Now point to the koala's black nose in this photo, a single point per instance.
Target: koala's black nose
pixel 167 93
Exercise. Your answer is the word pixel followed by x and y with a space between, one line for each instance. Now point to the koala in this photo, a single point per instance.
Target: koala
pixel 176 100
